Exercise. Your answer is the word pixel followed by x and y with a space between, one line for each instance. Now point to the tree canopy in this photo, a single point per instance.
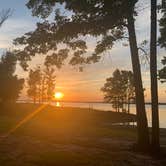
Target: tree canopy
pixel 162 24
pixel 119 89
pixel 162 72
pixel 41 84
pixel 104 20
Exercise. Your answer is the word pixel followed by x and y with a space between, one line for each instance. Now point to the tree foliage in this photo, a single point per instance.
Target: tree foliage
pixel 119 89
pixel 162 72
pixel 34 82
pixel 162 40
pixel 104 20
pixel 10 84
pixel 41 84
pixel 50 82
pixel 162 24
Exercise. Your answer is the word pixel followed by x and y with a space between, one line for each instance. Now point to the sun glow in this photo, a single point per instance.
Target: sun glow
pixel 58 95
pixel 58 104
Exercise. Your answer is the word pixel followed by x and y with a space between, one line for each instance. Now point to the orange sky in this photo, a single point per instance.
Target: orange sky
pixel 86 85
pixel 77 87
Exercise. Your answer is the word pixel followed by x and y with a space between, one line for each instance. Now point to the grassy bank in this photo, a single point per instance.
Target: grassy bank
pixel 58 118
pixel 68 136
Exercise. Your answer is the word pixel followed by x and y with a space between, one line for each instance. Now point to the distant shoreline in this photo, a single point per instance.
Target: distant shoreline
pixel 101 102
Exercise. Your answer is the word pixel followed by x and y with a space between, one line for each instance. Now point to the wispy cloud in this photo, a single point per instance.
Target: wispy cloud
pixel 12 29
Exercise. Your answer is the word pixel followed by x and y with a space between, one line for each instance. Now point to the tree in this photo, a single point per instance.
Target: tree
pixel 34 83
pixel 162 24
pixel 114 90
pixel 128 80
pixel 41 84
pixel 49 74
pixel 106 20
pixel 10 84
pixel 153 72
pixel 119 89
pixel 162 72
pixel 162 41
pixel 143 136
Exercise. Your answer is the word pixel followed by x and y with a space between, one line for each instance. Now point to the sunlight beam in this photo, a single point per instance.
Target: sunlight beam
pixel 23 121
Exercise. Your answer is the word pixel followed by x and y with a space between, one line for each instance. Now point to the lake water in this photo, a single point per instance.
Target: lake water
pixel 108 107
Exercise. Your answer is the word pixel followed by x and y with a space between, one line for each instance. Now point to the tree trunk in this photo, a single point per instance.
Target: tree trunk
pixel 153 72
pixel 128 108
pixel 142 125
pixel 118 105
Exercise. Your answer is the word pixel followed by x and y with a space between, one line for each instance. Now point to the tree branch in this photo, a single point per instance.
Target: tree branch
pixel 4 15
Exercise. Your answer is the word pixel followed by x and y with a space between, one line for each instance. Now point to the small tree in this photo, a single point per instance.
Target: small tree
pixel 119 89
pixel 34 83
pixel 49 74
pixel 41 84
pixel 128 80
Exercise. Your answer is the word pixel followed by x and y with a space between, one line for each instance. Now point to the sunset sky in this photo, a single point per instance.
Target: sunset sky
pixel 86 85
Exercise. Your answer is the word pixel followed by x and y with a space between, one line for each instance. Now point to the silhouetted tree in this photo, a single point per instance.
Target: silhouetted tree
pixel 162 41
pixel 34 83
pixel 119 89
pixel 41 84
pixel 106 20
pixel 162 72
pixel 10 84
pixel 162 24
pixel 128 80
pixel 50 78
pixel 113 90
pixel 162 38
pixel 153 72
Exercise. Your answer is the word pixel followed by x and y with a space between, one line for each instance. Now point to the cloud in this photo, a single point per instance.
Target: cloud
pixel 12 29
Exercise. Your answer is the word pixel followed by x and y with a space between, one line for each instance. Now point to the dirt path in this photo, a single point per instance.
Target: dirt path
pixel 28 151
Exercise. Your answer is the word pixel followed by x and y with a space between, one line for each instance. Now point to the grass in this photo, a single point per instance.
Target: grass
pixel 68 137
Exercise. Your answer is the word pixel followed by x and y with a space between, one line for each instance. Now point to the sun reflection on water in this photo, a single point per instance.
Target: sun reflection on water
pixel 58 104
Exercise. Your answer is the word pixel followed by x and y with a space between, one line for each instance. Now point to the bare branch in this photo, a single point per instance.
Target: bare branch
pixel 4 15
pixel 145 55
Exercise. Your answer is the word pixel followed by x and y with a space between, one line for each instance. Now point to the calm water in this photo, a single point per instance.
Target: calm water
pixel 108 107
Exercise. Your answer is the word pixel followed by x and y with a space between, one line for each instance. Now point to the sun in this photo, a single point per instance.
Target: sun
pixel 58 95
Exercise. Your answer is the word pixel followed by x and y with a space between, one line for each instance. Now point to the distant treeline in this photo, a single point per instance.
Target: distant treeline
pixel 88 102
